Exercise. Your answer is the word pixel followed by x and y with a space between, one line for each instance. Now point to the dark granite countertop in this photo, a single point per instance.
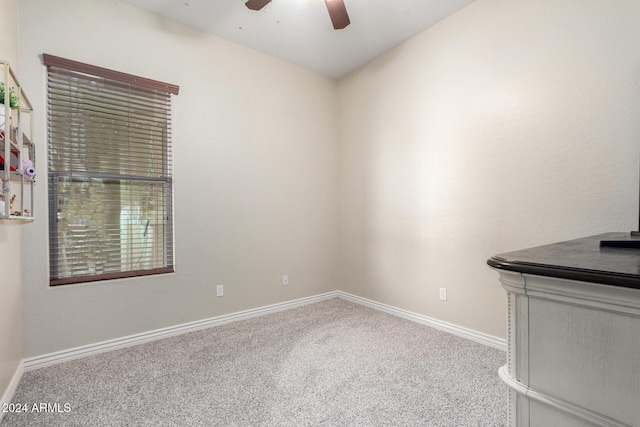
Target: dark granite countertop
pixel 580 259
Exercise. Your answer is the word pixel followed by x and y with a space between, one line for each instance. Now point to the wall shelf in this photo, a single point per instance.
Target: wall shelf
pixel 17 152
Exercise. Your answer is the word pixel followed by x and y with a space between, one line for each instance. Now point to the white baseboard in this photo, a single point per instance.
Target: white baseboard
pixel 11 389
pixel 479 337
pixel 141 338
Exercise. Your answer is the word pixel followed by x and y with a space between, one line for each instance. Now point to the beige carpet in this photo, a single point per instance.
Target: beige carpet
pixel 333 363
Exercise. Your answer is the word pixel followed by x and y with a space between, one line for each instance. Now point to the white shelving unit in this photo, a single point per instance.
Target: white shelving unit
pixel 17 152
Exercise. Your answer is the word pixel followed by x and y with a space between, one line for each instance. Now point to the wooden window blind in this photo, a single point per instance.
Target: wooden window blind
pixel 110 173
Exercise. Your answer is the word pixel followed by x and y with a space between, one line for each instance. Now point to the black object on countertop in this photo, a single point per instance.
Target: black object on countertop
pixel 632 241
pixel 580 259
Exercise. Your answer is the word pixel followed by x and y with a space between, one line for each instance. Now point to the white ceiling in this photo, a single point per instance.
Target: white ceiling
pixel 300 31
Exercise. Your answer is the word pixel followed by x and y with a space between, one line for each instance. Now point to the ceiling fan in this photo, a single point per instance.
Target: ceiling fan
pixel 336 8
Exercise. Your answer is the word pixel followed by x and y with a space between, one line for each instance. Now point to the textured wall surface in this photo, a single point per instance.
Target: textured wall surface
pixel 10 235
pixel 255 159
pixel 507 125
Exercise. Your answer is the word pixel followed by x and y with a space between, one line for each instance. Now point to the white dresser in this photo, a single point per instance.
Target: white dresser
pixel 573 334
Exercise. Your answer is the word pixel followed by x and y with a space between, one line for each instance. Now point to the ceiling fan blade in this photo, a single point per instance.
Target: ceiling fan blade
pixel 257 4
pixel 338 13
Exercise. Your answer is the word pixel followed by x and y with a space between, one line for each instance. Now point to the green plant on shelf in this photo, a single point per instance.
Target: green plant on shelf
pixel 14 102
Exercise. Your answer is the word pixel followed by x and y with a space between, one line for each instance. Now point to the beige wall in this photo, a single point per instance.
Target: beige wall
pixel 507 125
pixel 10 237
pixel 256 179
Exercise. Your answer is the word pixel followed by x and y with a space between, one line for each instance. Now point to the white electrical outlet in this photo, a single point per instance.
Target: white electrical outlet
pixel 443 294
pixel 285 280
pixel 220 290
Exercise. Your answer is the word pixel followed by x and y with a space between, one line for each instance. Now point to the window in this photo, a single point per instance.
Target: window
pixel 110 173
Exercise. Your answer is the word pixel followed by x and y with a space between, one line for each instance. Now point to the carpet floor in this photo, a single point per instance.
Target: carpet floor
pixel 332 363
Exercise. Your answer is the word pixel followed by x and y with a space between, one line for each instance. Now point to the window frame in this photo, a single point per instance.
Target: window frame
pixel 135 82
